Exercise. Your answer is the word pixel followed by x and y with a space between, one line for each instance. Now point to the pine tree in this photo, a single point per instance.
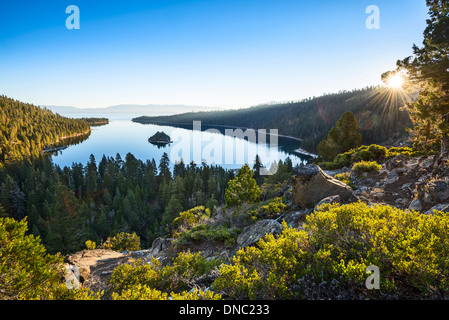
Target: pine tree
pixel 243 188
pixel 164 167
pixel 257 167
pixel 428 72
pixel 341 138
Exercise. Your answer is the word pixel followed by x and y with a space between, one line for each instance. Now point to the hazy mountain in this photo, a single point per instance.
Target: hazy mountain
pixel 128 109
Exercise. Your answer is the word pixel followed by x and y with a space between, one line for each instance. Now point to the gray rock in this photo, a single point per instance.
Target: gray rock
pixel 439 190
pixel 415 205
pixel 159 245
pixel 392 177
pixel 401 201
pixel 72 276
pixel 427 162
pixel 293 219
pixel 438 207
pixel 396 162
pixel 312 185
pixel 257 231
pixel 328 200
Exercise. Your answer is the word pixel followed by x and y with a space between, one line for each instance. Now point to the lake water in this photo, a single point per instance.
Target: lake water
pixel 123 136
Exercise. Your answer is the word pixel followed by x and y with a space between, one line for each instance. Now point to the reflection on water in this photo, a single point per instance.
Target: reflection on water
pixel 124 136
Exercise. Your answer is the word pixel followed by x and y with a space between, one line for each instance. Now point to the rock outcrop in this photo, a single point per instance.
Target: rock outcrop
pixel 311 185
pixel 406 183
pixel 328 200
pixel 257 231
pixel 92 268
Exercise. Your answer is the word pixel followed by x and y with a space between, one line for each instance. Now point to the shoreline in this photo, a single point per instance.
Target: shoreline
pixel 73 135
pixel 215 125
pixel 306 153
pixel 299 150
pixel 57 148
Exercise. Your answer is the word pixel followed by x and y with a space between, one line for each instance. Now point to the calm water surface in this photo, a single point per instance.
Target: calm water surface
pixel 123 136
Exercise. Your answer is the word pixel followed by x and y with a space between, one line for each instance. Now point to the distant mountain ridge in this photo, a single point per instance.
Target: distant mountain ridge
pixel 381 119
pixel 149 109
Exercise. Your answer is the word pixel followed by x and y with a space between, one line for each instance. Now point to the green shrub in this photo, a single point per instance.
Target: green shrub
pixel 91 245
pixel 28 272
pixel 365 155
pixel 366 166
pixel 221 233
pixel 142 292
pixel 123 241
pixel 243 188
pixel 373 152
pixel 339 242
pixel 379 152
pixel 345 177
pixel 140 280
pixel 275 206
pixel 191 217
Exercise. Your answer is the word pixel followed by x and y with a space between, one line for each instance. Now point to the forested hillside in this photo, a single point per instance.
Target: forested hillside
pixel 377 111
pixel 66 207
pixel 25 130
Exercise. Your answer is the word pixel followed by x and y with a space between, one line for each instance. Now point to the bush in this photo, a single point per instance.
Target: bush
pixel 366 166
pixel 91 245
pixel 373 152
pixel 345 177
pixel 27 271
pixel 191 218
pixel 123 241
pixel 336 246
pixel 275 206
pixel 221 233
pixel 142 292
pixel 150 280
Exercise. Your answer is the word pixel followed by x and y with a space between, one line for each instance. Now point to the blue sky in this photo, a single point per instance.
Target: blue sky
pixel 220 53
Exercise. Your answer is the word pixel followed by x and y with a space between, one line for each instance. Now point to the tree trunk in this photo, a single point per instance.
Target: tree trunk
pixel 445 138
pixel 444 146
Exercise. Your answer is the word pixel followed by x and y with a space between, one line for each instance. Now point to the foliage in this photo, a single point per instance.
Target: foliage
pixel 344 177
pixel 275 206
pixel 427 73
pixel 369 153
pixel 243 188
pixel 152 279
pixel 143 292
pixel 310 119
pixel 339 242
pixel 27 271
pixel 206 232
pixel 341 138
pixel 25 130
pixel 96 121
pixel 159 137
pixel 191 218
pixel 123 241
pixel 91 245
pixel 366 166
pixel 68 206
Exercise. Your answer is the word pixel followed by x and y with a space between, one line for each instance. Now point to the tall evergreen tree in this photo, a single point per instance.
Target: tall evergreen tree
pixel 341 138
pixel 243 188
pixel 428 73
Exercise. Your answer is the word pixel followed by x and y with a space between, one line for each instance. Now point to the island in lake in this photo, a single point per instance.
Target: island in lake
pixel 160 138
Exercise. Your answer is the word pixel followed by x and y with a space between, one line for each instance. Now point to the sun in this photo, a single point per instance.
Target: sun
pixel 396 81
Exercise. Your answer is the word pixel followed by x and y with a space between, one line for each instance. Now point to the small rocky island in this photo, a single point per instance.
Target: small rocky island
pixel 160 138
